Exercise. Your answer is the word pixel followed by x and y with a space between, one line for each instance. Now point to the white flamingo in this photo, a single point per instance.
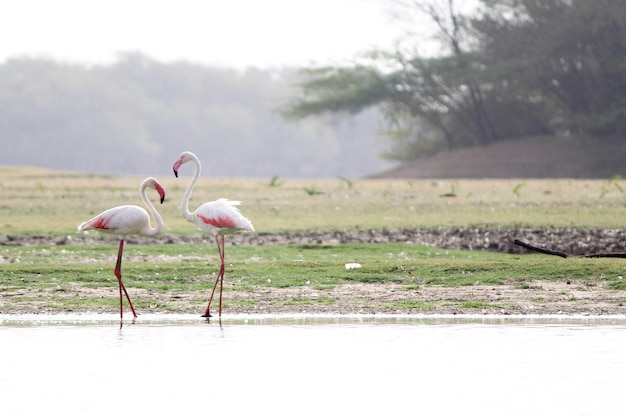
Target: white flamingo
pixel 219 218
pixel 128 220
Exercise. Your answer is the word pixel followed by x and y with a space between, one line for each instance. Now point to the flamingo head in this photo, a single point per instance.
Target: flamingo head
pixel 154 184
pixel 184 157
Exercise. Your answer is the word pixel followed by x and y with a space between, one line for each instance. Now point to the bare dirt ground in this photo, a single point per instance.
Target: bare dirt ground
pixel 536 298
pixel 539 297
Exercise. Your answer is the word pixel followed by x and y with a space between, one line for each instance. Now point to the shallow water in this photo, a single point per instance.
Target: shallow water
pixel 312 365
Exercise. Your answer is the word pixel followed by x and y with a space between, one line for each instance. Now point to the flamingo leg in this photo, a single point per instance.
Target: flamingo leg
pixel 220 278
pixel 207 313
pixel 222 275
pixel 118 274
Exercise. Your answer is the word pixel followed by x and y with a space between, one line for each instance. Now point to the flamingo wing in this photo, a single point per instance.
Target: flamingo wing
pixel 221 216
pixel 121 220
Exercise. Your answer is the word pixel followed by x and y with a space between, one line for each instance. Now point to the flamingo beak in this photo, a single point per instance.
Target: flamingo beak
pixel 161 192
pixel 177 165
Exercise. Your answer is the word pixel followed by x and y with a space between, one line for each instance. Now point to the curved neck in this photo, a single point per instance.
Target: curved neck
pixel 159 221
pixel 184 205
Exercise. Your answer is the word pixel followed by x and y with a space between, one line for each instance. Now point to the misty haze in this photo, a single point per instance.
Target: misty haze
pixel 135 116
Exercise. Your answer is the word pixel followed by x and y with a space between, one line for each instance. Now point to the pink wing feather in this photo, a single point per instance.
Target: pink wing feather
pixel 221 216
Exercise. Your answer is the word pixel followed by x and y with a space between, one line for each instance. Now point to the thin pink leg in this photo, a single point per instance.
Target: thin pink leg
pixel 222 275
pixel 118 274
pixel 220 278
pixel 207 313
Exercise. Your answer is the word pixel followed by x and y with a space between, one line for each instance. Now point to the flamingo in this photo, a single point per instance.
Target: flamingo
pixel 128 220
pixel 219 218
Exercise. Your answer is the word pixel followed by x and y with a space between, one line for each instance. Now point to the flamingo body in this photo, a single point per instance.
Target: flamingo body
pixel 121 220
pixel 219 218
pixel 128 220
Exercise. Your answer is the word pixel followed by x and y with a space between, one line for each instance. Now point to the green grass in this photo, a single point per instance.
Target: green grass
pixel 58 284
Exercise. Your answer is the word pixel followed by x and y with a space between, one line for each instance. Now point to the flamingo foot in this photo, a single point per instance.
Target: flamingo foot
pixel 206 314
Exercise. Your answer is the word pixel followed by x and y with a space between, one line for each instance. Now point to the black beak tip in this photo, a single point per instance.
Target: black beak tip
pixel 176 173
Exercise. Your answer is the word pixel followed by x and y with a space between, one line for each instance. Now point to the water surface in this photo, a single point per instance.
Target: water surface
pixel 312 365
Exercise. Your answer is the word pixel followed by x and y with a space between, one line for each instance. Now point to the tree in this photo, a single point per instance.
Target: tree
pixel 569 54
pixel 516 68
pixel 427 103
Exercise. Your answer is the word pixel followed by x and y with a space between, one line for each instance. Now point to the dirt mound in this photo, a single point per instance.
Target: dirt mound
pixel 536 157
pixel 573 241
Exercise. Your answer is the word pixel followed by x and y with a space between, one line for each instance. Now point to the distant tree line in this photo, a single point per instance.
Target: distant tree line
pixel 511 69
pixel 137 115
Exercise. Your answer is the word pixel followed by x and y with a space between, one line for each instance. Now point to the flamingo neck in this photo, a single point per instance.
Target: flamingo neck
pixel 159 221
pixel 184 205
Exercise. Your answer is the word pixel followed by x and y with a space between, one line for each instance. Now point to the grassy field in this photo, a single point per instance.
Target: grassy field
pixel 36 201
pixel 310 278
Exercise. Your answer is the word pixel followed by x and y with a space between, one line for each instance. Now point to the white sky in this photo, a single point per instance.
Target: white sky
pixel 230 33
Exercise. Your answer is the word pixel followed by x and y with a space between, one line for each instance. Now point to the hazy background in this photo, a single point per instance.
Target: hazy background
pixel 137 115
pixel 123 87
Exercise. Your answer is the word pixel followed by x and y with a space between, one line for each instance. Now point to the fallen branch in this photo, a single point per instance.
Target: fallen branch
pixel 541 250
pixel 565 255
